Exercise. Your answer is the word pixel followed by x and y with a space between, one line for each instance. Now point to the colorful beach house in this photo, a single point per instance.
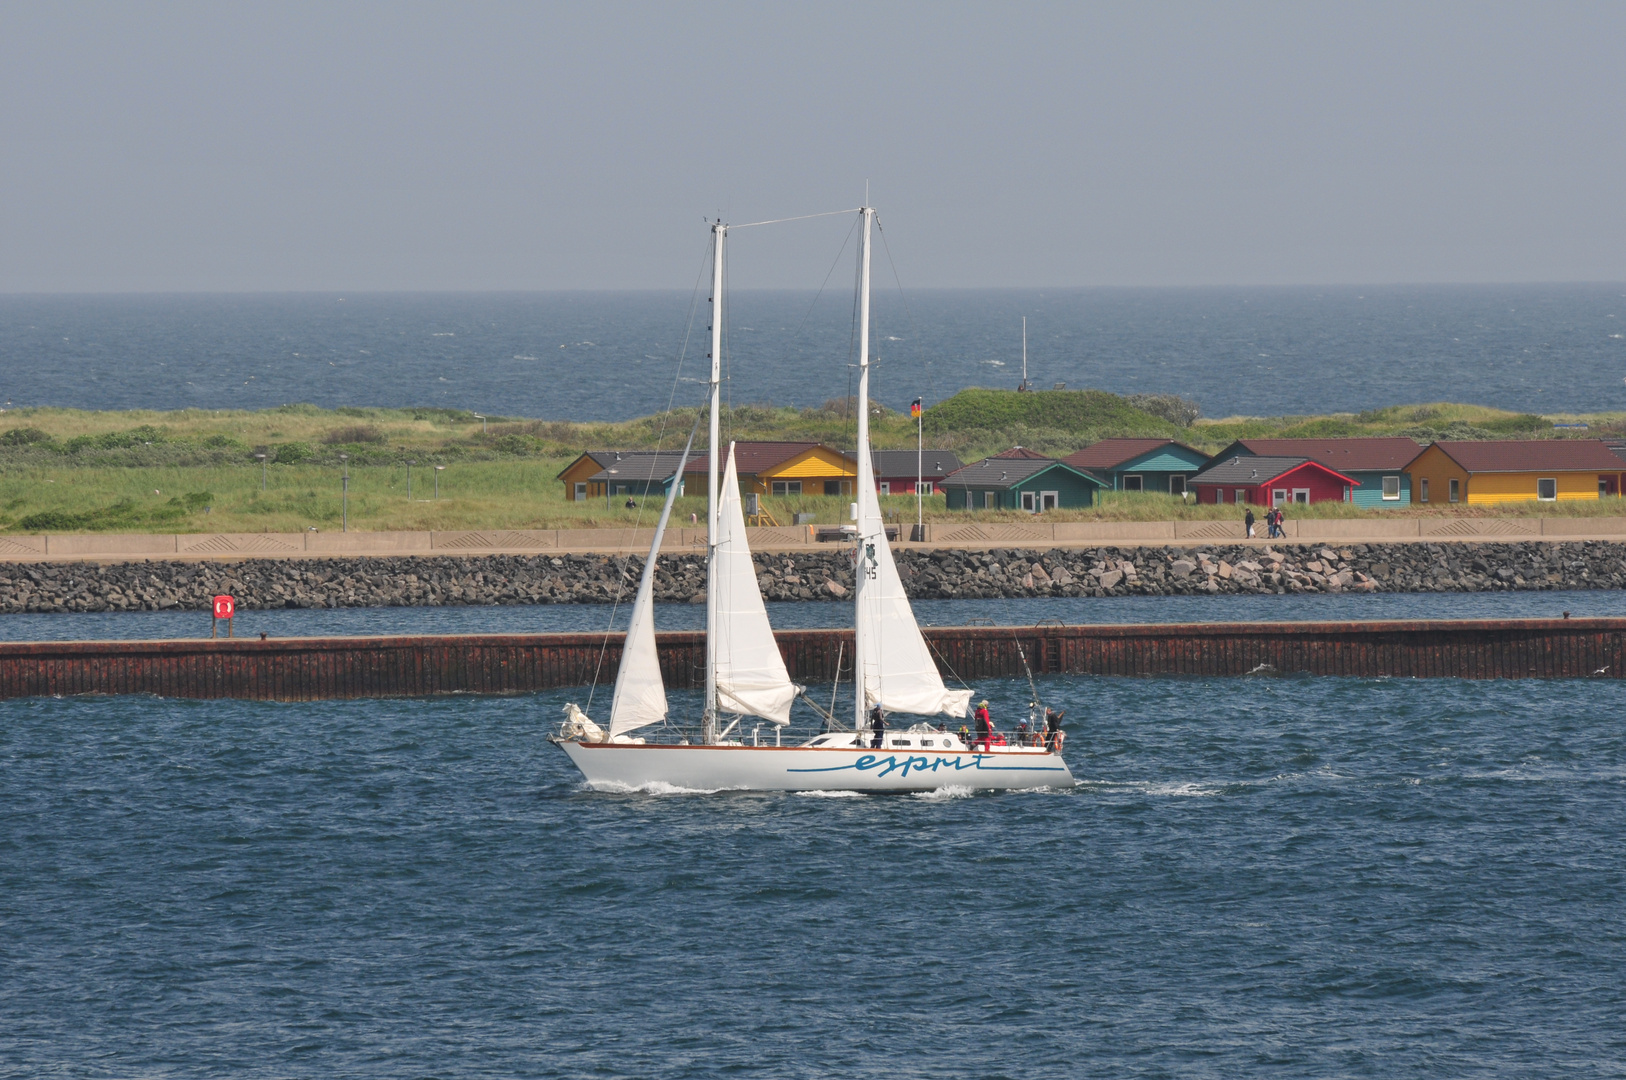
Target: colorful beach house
pixel 1378 465
pixel 1020 482
pixel 606 474
pixel 1160 465
pixel 1516 470
pixel 896 470
pixel 1270 481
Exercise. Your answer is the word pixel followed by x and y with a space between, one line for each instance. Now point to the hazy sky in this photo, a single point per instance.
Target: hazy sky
pixel 354 146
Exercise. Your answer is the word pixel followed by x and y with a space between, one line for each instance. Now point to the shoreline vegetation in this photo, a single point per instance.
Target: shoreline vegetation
pixel 195 470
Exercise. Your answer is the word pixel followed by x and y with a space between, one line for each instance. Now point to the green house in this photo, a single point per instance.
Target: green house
pixel 1034 484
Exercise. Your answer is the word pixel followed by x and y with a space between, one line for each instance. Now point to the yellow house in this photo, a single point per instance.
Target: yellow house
pixel 786 468
pixel 1502 471
pixel 766 468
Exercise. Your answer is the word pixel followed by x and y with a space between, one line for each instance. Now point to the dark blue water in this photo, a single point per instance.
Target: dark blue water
pixel 1293 877
pixel 1255 351
pixel 589 618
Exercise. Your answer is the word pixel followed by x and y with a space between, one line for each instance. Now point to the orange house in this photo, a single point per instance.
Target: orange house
pixel 1487 472
pixel 785 468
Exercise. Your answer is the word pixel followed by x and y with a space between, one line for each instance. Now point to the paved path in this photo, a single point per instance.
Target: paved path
pixel 1035 534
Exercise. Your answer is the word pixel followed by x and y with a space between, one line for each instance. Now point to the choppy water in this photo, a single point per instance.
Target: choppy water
pixel 1296 877
pixel 1256 351
pixel 590 618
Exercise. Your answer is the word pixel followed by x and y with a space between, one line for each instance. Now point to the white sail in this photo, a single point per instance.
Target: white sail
pixel 640 693
pixel 893 661
pixel 751 676
pixel 899 673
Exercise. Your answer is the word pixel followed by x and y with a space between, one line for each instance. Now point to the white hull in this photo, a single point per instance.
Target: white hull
pixel 632 767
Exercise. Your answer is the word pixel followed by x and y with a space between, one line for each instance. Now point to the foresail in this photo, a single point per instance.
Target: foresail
pixel 751 676
pixel 899 673
pixel 640 694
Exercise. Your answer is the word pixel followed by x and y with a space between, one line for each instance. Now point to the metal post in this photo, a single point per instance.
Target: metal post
pixel 438 470
pixel 920 474
pixel 262 470
pixel 344 491
pixel 482 420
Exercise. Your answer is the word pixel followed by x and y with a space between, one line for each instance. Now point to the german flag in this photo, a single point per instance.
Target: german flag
pixel 914 409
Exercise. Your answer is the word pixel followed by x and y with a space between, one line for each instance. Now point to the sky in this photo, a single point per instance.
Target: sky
pixel 486 146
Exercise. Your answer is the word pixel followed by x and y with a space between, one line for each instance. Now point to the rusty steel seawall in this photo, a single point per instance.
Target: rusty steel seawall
pixel 306 669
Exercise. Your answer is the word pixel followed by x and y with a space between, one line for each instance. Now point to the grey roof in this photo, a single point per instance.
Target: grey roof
pixel 1244 469
pixel 631 466
pixel 996 472
pixel 937 463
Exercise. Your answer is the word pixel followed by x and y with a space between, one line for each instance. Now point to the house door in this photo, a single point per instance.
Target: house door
pixel 1278 496
pixel 1177 485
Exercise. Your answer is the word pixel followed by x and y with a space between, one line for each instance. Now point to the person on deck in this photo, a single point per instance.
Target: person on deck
pixel 985 723
pixel 877 726
pixel 1052 725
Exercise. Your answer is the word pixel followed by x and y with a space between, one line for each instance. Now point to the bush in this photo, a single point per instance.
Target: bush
pixel 116 440
pixel 1171 407
pixel 25 436
pixel 291 453
pixel 356 433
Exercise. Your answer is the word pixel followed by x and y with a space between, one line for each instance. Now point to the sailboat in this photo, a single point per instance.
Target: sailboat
pixel 745 674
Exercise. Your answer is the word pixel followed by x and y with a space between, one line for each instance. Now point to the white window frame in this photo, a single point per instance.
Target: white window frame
pixel 1241 495
pixel 1278 496
pixel 1553 480
pixel 1177 478
pixel 1049 500
pixel 1422 489
pixel 1030 502
pixel 886 487
pixel 990 500
pixel 1139 482
pixel 1387 482
pixel 1455 487
pixel 1301 491
pixel 581 491
pixel 924 487
pixel 785 488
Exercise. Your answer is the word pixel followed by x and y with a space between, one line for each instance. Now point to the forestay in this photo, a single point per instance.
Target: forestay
pixel 751 676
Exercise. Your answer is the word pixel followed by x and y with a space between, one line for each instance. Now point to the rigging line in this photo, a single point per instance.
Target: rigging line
pixel 660 441
pixel 803 217
pixel 828 274
pixel 933 646
pixel 914 326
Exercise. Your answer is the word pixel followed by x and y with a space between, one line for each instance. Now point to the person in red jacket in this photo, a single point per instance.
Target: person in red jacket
pixel 985 723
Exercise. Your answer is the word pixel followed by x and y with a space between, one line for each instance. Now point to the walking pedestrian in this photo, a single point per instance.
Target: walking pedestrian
pixel 1247 520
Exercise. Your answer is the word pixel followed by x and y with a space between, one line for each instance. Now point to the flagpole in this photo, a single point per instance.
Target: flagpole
pixel 920 471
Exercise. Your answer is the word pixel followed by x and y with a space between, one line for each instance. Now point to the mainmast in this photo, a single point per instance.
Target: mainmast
pixel 864 476
pixel 708 720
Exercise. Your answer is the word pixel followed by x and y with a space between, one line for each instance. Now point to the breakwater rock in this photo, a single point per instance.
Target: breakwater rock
pixel 818 575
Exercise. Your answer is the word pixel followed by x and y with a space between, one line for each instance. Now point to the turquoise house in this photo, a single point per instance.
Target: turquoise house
pixel 1161 465
pixel 1034 484
pixel 1382 466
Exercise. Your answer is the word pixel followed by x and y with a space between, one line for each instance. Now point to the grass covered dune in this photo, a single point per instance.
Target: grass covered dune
pixel 64 470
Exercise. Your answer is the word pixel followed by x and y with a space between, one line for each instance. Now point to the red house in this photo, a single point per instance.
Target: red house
pixel 1271 481
pixel 895 470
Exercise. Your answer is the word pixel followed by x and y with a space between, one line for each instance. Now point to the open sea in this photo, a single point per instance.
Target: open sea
pixel 1257 351
pixel 1284 876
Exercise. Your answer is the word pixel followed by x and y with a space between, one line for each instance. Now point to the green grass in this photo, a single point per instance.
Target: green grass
pixel 193 470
